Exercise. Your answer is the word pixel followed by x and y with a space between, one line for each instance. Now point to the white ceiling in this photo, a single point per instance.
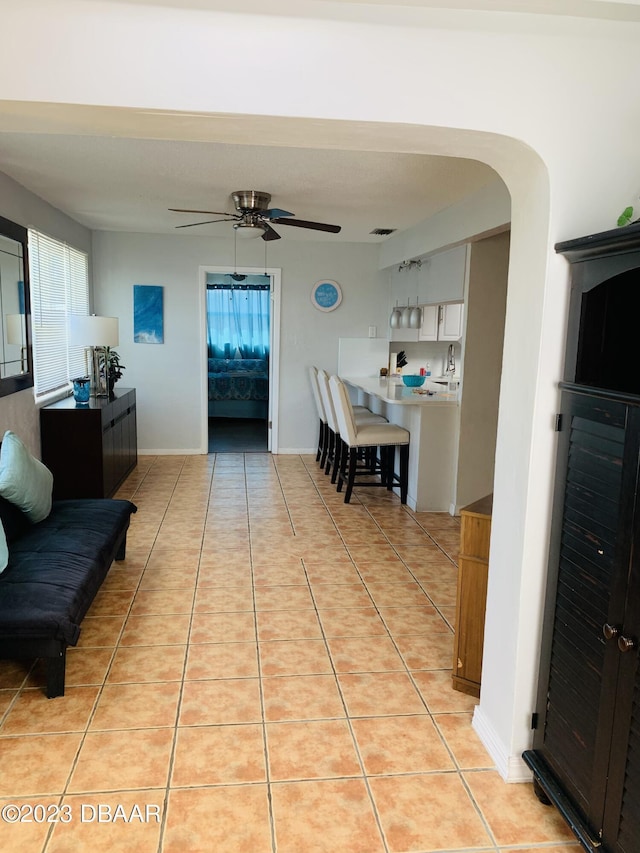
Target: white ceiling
pixel 128 184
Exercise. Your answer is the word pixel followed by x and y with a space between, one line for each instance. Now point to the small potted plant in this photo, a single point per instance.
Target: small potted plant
pixel 114 369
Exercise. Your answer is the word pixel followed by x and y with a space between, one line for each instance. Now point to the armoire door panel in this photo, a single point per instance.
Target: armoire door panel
pixel 587 561
pixel 622 815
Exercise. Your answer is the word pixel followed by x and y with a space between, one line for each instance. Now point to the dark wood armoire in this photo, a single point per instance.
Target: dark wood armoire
pixel 586 748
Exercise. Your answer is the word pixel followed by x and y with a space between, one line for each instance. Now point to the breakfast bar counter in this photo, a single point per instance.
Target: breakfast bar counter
pixel 393 390
pixel 433 424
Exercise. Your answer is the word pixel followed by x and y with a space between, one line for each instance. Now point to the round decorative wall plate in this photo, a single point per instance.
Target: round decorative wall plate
pixel 326 295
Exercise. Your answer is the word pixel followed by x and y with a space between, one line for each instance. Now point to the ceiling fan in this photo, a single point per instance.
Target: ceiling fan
pixel 254 217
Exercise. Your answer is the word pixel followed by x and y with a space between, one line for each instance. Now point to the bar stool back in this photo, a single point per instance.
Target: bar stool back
pixel 361 414
pixel 323 435
pixel 368 436
pixel 331 425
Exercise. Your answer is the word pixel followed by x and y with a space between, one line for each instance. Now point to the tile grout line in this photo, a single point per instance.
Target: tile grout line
pixel 174 743
pixel 265 743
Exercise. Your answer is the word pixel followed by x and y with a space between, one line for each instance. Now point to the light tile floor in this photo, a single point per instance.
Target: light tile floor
pixel 268 670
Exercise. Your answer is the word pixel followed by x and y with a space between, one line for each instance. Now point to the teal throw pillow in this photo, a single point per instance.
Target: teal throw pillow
pixel 4 550
pixel 24 480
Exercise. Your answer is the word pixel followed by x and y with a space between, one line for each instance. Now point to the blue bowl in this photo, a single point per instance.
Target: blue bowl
pixel 413 381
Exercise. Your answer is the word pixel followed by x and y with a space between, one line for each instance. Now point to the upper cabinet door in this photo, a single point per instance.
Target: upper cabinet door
pixel 442 276
pixel 451 322
pixel 429 328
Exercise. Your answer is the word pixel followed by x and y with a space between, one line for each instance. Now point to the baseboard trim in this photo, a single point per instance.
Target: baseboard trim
pixel 165 452
pixel 295 451
pixel 512 768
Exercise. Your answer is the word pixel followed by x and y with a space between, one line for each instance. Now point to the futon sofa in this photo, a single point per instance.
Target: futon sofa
pixel 55 569
pixel 54 556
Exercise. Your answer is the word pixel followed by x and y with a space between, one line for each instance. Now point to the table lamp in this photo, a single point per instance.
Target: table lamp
pixel 97 334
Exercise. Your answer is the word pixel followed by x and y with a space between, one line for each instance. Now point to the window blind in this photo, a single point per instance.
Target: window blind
pixel 59 287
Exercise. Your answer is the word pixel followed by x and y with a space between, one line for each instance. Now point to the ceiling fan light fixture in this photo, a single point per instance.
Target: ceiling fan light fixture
pixel 249 230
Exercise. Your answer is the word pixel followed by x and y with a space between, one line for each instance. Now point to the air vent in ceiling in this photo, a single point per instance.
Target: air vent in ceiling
pixel 383 232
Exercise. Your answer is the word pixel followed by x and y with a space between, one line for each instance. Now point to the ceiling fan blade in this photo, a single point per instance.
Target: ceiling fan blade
pixel 269 233
pixel 208 222
pixel 303 223
pixel 213 212
pixel 275 213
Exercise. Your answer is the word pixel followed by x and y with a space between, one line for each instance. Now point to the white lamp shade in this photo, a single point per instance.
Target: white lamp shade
pixel 92 331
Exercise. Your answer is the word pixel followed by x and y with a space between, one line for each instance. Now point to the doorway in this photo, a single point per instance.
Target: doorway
pixel 240 337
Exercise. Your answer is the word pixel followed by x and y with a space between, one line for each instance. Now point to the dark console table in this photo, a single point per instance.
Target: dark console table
pixel 90 449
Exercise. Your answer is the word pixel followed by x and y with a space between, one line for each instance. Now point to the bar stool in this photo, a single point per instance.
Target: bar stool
pixel 355 437
pixel 323 435
pixel 361 414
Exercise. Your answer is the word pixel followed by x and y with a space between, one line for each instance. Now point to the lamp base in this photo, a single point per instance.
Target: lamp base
pixel 99 385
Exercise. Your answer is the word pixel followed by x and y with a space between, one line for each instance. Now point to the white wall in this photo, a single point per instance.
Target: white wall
pixel 483 345
pixel 18 411
pixel 541 99
pixel 167 377
pixel 483 211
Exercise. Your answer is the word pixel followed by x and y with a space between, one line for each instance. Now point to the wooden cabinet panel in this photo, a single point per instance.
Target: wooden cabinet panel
pixel 90 449
pixel 471 601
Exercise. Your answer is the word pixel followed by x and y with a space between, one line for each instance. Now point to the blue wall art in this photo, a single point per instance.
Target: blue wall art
pixel 148 322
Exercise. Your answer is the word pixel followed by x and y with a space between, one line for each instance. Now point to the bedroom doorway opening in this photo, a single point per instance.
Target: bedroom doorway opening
pixel 240 335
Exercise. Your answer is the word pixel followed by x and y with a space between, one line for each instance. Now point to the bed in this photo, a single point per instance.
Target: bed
pixel 238 387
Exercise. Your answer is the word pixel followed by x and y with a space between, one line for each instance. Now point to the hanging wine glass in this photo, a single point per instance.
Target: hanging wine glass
pixel 415 318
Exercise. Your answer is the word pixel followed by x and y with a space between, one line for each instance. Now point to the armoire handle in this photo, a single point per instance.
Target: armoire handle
pixel 627 644
pixel 611 632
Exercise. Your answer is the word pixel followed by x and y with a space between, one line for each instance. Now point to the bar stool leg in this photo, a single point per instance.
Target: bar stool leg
pixel 404 472
pixel 351 473
pixel 321 440
pixel 337 458
pixel 383 464
pixel 342 467
pixel 391 466
pixel 330 451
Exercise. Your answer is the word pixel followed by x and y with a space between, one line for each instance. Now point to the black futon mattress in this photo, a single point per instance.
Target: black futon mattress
pixel 57 565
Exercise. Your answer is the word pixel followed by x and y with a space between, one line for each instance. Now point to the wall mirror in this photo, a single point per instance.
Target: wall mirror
pixel 16 367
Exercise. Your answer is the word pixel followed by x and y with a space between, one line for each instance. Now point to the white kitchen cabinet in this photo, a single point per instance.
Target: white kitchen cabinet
pixel 442 276
pixel 442 322
pixel 451 326
pixel 429 328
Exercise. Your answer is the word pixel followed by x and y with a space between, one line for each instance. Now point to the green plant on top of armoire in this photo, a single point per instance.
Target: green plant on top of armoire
pixel 114 368
pixel 626 217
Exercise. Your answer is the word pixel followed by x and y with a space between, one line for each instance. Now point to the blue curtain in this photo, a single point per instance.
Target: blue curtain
pixel 238 321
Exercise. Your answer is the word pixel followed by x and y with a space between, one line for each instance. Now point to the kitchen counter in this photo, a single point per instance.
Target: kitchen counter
pixel 433 422
pixel 393 390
